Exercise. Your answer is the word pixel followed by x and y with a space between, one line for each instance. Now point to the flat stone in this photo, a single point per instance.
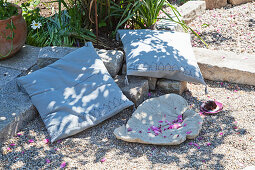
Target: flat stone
pixel 192 9
pixel 112 58
pixel 16 110
pixel 7 74
pixel 137 89
pixel 171 86
pixel 23 60
pixel 161 111
pixel 221 65
pixel 211 4
pixel 238 2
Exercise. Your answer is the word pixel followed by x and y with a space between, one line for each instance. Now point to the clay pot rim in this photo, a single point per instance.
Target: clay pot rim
pixel 14 16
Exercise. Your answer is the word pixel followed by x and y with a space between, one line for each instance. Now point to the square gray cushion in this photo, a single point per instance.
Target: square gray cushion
pixel 74 93
pixel 160 54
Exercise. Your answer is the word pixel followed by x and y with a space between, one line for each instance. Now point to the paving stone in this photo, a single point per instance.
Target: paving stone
pixel 23 60
pixel 226 66
pixel 111 58
pixel 16 110
pixel 137 90
pixel 192 9
pixel 159 111
pixel 211 4
pixel 171 86
pixel 238 2
pixel 152 83
pixel 7 74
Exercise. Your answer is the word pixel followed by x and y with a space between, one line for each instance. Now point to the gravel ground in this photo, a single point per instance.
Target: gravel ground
pixel 226 141
pixel 231 28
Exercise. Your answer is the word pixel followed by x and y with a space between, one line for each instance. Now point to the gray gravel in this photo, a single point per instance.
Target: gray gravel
pixel 231 28
pixel 231 134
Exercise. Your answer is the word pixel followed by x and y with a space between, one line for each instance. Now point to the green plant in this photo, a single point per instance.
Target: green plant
pixel 7 10
pixel 63 29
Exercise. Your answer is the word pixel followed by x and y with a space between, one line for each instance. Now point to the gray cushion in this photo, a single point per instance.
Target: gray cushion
pixel 74 93
pixel 160 54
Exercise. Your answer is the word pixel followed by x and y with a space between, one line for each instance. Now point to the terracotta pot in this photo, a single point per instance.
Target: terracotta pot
pixel 20 34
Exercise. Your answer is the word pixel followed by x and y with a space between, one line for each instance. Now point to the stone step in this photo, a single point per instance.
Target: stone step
pixel 23 60
pixel 226 66
pixel 7 74
pixel 112 58
pixel 189 11
pixel 16 110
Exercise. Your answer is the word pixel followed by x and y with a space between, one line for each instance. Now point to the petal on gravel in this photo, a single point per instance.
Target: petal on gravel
pixel 160 121
pixel 129 129
pixel 103 160
pixel 208 144
pixel 221 133
pixel 47 161
pixel 8 148
pixel 63 165
pixel 19 134
pixel 189 132
pixel 191 143
pixel 46 141
pixel 31 141
pixel 12 144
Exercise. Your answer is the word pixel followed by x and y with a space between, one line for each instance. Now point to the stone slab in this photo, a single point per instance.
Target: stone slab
pixel 7 74
pixel 211 4
pixel 226 66
pixel 149 124
pixel 192 9
pixel 171 86
pixel 16 110
pixel 23 60
pixel 136 90
pixel 238 2
pixel 111 58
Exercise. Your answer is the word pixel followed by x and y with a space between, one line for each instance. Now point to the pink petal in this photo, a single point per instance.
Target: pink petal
pixel 56 149
pixel 47 161
pixel 185 125
pixel 221 133
pixel 189 132
pixel 59 141
pixel 235 127
pixel 8 148
pixel 208 144
pixel 195 144
pixel 31 141
pixel 22 152
pixel 140 131
pixel 12 144
pixel 63 165
pixel 103 160
pixel 198 147
pixel 164 136
pixel 191 143
pixel 149 94
pixel 19 134
pixel 160 121
pixel 129 129
pixel 46 141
